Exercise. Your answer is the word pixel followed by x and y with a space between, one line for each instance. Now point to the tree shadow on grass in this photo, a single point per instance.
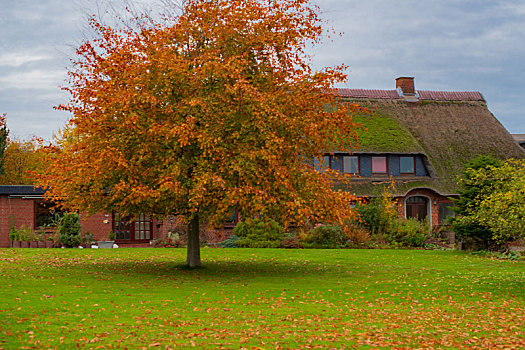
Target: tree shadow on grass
pixel 246 269
pixel 319 267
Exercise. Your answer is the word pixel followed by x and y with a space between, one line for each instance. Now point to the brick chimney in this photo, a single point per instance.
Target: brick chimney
pixel 406 84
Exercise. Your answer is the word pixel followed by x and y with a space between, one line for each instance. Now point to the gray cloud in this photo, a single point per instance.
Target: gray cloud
pixel 445 44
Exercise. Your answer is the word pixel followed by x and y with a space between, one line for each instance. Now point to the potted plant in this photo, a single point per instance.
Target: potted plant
pixel 24 234
pixel 33 239
pixel 50 241
pixel 109 243
pixel 41 238
pixel 87 239
pixel 14 237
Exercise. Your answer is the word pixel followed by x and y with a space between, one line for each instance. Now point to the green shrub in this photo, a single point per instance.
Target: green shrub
pixel 230 242
pixel 69 230
pixel 326 236
pixel 410 232
pixel 291 241
pixel 369 215
pixel 258 233
pixel 13 234
pixel 87 238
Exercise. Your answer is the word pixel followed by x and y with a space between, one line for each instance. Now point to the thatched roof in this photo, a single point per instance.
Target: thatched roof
pixel 449 128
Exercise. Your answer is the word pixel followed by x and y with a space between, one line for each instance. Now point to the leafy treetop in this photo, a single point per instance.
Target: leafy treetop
pixel 494 200
pixel 215 109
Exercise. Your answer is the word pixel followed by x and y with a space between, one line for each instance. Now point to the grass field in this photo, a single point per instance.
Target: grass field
pixel 259 298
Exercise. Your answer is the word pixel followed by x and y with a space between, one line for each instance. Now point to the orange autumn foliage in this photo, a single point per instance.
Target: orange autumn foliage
pixel 216 109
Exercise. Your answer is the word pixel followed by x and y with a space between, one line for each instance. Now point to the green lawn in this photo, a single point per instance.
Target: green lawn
pixel 267 298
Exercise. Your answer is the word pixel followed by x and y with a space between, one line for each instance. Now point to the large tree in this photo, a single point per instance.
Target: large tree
pixel 465 224
pixel 499 204
pixel 213 110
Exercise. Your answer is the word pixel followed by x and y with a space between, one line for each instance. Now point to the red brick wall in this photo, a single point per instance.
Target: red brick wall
pixel 23 212
pixel 432 197
pixel 98 225
pixel 101 224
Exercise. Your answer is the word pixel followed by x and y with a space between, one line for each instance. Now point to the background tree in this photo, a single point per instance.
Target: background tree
pixel 21 159
pixel 465 224
pixel 213 110
pixel 500 207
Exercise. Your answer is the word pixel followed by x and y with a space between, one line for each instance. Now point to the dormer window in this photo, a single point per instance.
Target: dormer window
pixel 407 165
pixel 351 164
pixel 336 163
pixel 379 165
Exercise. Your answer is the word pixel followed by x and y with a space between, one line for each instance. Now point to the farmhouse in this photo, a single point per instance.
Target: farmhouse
pixel 419 139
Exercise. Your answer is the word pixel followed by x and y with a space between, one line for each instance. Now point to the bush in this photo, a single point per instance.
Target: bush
pixel 230 242
pixel 291 241
pixel 493 202
pixel 326 236
pixel 69 230
pixel 410 232
pixel 87 238
pixel 380 213
pixel 369 216
pixel 380 218
pixel 357 235
pixel 13 235
pixel 257 233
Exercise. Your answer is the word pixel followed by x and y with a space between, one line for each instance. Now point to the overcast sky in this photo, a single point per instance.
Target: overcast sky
pixel 454 45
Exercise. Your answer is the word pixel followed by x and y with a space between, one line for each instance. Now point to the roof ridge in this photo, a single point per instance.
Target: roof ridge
pixel 433 95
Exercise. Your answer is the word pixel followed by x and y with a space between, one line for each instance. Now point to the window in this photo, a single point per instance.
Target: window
pixel 132 228
pixel 351 164
pixel 379 165
pixel 46 214
pixel 142 227
pixel 407 165
pixel 121 226
pixel 341 163
pixel 337 163
pixel 326 162
pixel 321 165
pixel 445 211
pixel 233 218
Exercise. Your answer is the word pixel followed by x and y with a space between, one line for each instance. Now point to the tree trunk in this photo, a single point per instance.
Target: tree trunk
pixel 193 258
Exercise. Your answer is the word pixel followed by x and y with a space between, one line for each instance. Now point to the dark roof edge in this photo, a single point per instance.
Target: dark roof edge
pixel 21 190
pixel 425 188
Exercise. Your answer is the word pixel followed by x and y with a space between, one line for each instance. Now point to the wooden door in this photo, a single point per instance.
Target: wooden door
pixel 417 207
